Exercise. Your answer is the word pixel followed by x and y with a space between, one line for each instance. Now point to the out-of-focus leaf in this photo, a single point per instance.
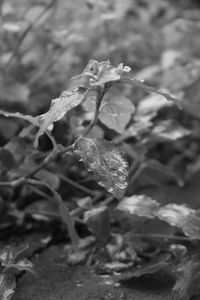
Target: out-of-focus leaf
pixel 98 222
pixel 169 130
pixel 140 205
pixel 7 160
pixel 151 104
pixel 106 161
pixel 150 89
pixel 181 216
pixel 85 202
pixel 187 282
pixel 7 285
pixel 115 113
pixel 59 108
pixel 13 91
pixel 160 262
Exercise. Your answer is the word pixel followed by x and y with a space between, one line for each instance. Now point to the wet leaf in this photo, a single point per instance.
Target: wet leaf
pixel 59 108
pixel 7 285
pixel 116 112
pixel 107 161
pixel 182 217
pixel 139 205
pixel 98 222
pixel 150 89
pixel 169 130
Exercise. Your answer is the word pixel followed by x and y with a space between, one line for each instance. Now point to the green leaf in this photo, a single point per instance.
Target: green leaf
pixel 59 108
pixel 98 222
pixel 116 112
pixel 7 285
pixel 107 161
pixel 150 89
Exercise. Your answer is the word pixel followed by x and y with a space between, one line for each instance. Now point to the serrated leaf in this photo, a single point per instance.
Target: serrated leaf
pixel 139 205
pixel 116 112
pixel 7 285
pixel 59 108
pixel 169 130
pixel 182 217
pixel 98 222
pixel 150 89
pixel 107 161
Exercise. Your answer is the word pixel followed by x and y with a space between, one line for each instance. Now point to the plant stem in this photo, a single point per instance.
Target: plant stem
pixel 100 95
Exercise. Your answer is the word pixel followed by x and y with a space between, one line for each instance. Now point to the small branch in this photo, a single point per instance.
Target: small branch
pixel 100 95
pixel 26 31
pixel 77 185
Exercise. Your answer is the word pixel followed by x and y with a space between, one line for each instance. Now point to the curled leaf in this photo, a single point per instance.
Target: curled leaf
pixel 107 161
pixel 59 108
pixel 98 73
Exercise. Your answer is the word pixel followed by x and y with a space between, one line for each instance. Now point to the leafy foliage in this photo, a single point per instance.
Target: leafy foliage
pixel 106 161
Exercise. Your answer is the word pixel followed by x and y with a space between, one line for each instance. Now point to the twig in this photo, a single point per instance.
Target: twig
pixel 77 185
pixel 96 114
pixel 26 31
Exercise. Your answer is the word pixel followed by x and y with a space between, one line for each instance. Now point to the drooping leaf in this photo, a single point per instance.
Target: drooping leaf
pixel 7 285
pixel 59 108
pixel 139 205
pixel 98 222
pixel 107 161
pixel 187 282
pixel 181 216
pixel 169 130
pixel 116 112
pixel 150 89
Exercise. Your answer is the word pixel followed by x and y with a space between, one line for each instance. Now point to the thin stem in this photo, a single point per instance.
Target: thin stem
pixel 77 185
pixel 27 30
pixel 100 95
